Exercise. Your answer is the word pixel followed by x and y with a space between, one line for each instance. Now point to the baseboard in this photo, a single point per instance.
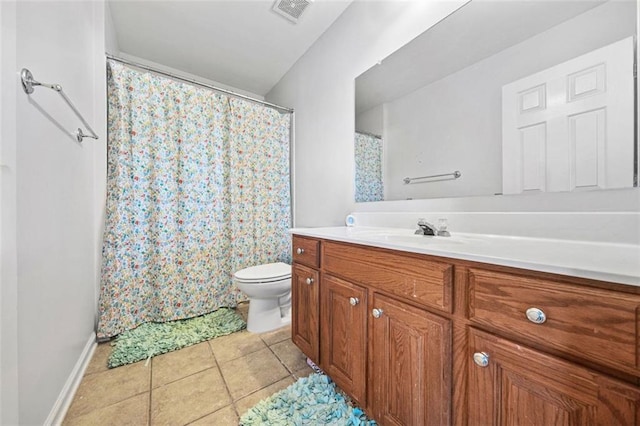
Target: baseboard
pixel 63 402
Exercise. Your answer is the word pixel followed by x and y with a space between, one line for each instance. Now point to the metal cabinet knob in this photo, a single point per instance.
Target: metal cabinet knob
pixel 377 313
pixel 309 281
pixel 536 315
pixel 354 301
pixel 300 250
pixel 481 359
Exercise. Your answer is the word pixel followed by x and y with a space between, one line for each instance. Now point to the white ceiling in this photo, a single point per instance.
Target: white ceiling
pixel 240 43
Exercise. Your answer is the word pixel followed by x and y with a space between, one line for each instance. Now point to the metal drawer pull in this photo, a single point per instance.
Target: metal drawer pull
pixel 309 281
pixel 300 250
pixel 354 301
pixel 377 313
pixel 536 315
pixel 481 359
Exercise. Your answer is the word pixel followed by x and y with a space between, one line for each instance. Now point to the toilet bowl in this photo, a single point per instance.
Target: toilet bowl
pixel 269 289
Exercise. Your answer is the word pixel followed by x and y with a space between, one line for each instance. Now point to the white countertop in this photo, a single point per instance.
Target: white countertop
pixel 618 263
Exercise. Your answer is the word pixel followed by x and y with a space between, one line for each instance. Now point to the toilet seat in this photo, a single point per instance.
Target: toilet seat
pixel 269 290
pixel 267 273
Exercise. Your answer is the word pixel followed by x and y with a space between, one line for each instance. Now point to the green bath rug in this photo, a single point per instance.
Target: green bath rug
pixel 152 338
pixel 311 400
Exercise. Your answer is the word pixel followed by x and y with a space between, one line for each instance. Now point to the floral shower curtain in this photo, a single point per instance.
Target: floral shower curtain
pixel 197 188
pixel 368 156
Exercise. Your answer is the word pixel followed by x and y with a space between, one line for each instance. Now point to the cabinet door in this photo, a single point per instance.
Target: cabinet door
pixel 343 335
pixel 411 365
pixel 305 307
pixel 519 385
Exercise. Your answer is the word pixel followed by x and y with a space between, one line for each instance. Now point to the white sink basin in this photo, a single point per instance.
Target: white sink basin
pixel 406 236
pixel 423 239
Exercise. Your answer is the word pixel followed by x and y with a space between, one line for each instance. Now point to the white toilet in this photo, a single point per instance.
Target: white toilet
pixel 269 289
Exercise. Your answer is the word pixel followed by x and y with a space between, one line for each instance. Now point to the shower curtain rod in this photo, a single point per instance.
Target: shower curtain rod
pixel 198 83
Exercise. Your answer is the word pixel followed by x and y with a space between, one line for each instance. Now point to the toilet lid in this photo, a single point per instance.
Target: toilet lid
pixel 267 272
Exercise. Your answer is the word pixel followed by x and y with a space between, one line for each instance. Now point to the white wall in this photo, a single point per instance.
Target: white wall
pixel 320 87
pixel 8 277
pixel 51 199
pixel 111 44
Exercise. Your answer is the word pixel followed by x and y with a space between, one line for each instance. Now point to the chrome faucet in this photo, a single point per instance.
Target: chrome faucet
pixel 426 228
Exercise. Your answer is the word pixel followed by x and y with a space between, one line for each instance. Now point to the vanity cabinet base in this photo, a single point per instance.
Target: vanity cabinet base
pixel 423 340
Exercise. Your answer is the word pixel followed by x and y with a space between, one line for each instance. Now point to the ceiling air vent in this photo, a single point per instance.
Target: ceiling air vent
pixel 291 9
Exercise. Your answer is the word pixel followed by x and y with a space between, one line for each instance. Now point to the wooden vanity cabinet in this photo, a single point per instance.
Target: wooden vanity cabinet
pixel 423 340
pixel 378 339
pixel 409 337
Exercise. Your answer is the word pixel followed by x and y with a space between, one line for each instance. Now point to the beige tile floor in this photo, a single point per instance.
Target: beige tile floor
pixel 211 383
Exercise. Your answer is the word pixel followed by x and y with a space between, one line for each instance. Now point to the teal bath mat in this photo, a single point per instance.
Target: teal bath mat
pixel 311 400
pixel 152 338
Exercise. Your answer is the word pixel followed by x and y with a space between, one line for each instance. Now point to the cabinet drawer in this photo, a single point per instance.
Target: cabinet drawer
pixel 597 325
pixel 423 281
pixel 306 251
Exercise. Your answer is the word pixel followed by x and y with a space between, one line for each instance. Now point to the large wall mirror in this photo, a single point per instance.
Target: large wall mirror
pixel 503 97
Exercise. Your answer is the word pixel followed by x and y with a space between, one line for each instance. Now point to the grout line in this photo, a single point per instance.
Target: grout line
pixel 273 332
pixel 293 373
pixel 213 412
pixel 183 377
pixel 264 387
pixel 258 390
pixel 281 362
pixel 217 365
pixel 224 381
pixel 66 417
pixel 188 375
pixel 243 353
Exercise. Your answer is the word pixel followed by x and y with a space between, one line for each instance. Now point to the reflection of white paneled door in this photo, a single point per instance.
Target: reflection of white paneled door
pixel 571 126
